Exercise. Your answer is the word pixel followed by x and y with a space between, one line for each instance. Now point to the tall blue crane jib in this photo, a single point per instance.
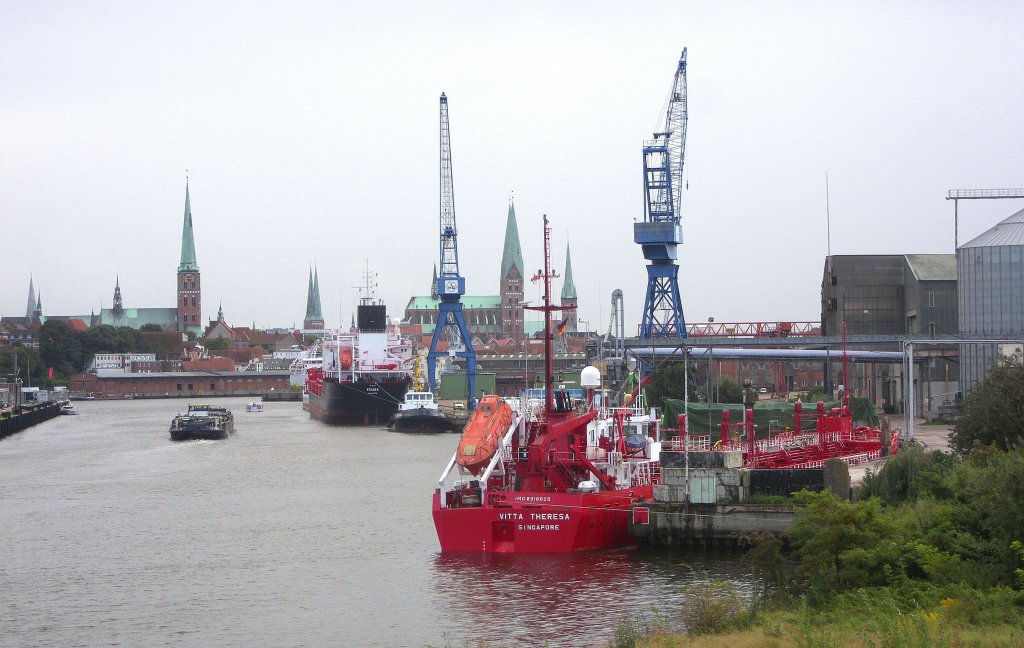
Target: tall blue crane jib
pixel 451 321
pixel 660 232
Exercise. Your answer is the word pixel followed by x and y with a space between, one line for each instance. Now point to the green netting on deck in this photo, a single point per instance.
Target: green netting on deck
pixel 770 416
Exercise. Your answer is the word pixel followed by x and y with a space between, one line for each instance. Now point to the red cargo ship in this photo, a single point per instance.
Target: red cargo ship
pixel 547 477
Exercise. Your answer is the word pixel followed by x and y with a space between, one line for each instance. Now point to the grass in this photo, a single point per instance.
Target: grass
pixel 875 618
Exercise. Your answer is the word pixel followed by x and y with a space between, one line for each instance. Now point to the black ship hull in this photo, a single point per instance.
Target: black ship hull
pixel 207 434
pixel 357 403
pixel 421 421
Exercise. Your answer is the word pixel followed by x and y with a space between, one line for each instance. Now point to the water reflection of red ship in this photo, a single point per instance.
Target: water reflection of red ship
pixel 487 597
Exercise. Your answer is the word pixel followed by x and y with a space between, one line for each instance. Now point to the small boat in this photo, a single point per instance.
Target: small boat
pixel 203 422
pixel 69 409
pixel 254 407
pixel 419 413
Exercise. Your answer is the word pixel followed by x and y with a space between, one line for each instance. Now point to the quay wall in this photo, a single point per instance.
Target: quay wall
pixel 16 420
pixel 708 499
pixel 706 525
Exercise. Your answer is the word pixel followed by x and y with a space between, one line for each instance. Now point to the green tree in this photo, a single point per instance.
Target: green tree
pixel 666 382
pixel 151 328
pixel 216 344
pixel 993 412
pixel 60 348
pixel 729 390
pixel 31 368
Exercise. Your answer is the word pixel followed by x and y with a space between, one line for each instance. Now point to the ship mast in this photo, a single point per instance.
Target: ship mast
pixel 547 309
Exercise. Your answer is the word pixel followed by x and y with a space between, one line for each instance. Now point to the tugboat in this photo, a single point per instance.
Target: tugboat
pixel 419 413
pixel 364 373
pixel 203 422
pixel 557 476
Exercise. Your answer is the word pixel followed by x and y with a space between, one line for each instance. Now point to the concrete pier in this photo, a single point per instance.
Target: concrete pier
pixel 706 525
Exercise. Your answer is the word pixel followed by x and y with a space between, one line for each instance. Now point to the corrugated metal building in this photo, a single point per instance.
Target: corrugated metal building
pixel 991 290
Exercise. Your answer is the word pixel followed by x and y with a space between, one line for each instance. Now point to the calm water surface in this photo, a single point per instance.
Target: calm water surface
pixel 290 533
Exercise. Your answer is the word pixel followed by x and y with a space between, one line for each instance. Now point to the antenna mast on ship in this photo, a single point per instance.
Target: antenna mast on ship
pixel 368 289
pixel 547 309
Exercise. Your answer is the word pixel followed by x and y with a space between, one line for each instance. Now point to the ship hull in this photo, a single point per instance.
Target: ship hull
pixel 357 403
pixel 420 422
pixel 521 522
pixel 205 434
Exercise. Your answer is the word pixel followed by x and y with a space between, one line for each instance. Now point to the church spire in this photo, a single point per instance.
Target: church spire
pixel 568 287
pixel 317 311
pixel 188 245
pixel 309 296
pixel 433 284
pixel 512 255
pixel 118 303
pixel 31 298
pixel 314 314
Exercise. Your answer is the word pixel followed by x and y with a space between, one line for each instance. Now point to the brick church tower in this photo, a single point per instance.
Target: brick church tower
pixel 190 302
pixel 511 284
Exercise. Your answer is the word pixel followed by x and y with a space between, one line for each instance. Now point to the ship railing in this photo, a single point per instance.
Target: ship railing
pixel 496 466
pixel 644 473
pixel 692 443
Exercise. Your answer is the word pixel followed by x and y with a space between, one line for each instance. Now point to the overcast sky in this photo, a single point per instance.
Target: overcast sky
pixel 310 133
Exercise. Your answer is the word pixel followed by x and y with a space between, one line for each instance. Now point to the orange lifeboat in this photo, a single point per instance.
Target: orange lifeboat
pixel 346 357
pixel 482 433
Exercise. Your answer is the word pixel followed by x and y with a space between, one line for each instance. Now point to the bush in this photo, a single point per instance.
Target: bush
pixel 993 412
pixel 713 607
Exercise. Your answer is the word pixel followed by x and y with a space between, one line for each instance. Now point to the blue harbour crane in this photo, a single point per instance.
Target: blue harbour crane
pixel 451 322
pixel 660 232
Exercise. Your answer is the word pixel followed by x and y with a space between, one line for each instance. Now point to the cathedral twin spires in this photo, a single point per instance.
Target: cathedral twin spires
pixel 314 315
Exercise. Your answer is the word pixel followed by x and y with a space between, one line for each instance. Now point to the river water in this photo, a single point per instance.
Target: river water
pixel 289 533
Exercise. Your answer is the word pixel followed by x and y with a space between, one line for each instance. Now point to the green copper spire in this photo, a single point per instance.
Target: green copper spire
pixel 513 254
pixel 568 287
pixel 188 245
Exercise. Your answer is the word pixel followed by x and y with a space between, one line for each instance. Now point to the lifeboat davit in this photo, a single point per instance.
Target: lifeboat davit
pixel 482 434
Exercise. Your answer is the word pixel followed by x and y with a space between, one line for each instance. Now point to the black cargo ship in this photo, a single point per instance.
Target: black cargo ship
pixel 203 422
pixel 364 374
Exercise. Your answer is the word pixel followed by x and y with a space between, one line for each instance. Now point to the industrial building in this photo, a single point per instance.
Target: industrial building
pixel 990 280
pixel 897 295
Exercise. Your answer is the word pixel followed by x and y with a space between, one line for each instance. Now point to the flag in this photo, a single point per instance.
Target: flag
pixel 49 374
pixel 561 327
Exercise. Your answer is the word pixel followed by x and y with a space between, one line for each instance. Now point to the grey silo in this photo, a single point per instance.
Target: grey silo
pixel 990 280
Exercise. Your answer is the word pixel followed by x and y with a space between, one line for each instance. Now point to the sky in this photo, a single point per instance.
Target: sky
pixel 309 132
